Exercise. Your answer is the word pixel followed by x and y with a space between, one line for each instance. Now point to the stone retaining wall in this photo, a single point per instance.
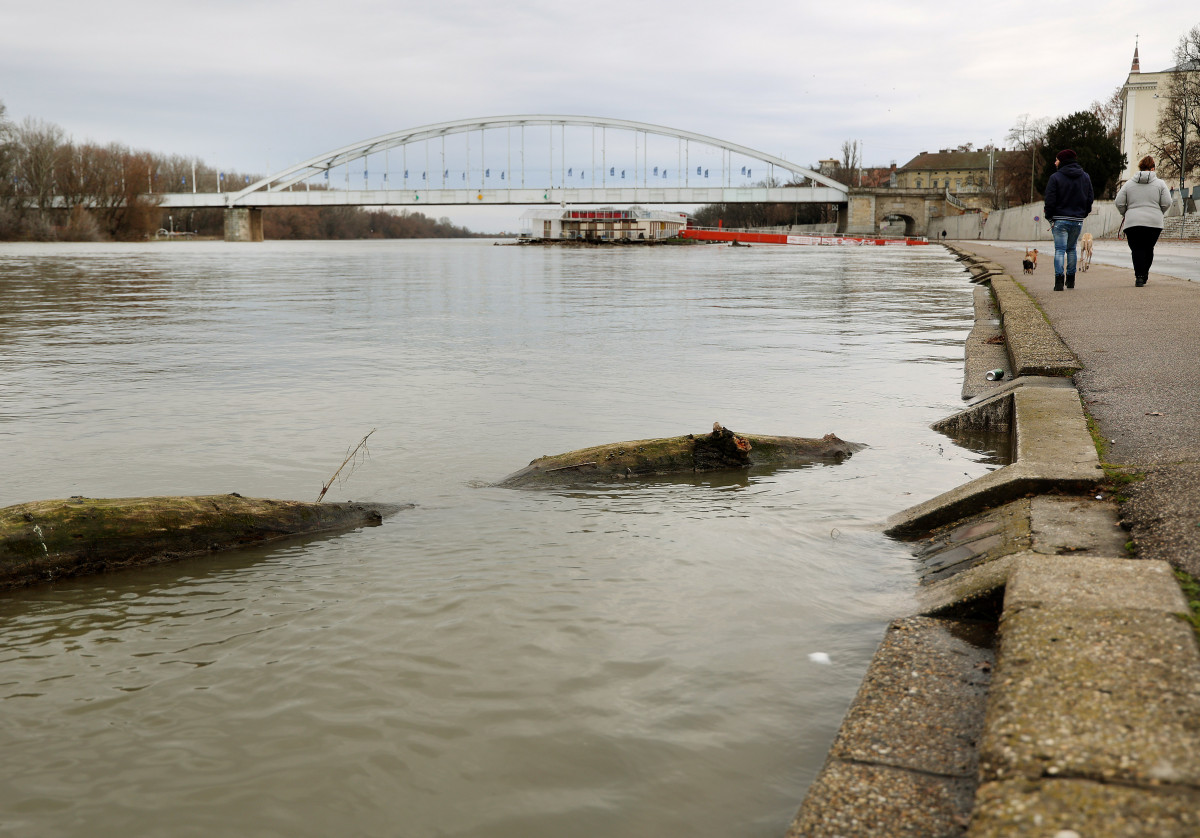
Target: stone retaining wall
pixel 1023 223
pixel 1189 223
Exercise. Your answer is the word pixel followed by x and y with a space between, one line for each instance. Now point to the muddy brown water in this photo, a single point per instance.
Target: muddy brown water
pixel 610 660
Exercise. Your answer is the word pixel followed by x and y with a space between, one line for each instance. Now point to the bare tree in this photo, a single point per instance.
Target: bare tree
pixel 850 154
pixel 1168 142
pixel 1174 141
pixel 1028 136
pixel 851 162
pixel 1109 113
pixel 38 148
pixel 1010 178
pixel 54 188
pixel 8 176
pixel 107 187
pixel 1187 51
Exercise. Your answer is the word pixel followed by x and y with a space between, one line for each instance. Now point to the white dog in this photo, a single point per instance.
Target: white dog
pixel 1085 251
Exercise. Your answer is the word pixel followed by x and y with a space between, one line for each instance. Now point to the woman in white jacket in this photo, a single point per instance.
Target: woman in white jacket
pixel 1143 200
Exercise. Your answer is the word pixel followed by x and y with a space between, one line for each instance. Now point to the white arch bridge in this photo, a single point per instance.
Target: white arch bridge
pixel 527 160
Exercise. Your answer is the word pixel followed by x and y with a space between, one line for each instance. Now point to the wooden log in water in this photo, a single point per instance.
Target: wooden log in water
pixel 721 449
pixel 50 539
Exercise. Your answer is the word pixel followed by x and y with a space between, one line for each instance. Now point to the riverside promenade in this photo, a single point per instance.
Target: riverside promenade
pixel 1050 685
pixel 1140 382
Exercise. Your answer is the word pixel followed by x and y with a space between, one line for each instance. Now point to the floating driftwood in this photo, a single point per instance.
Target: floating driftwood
pixel 50 539
pixel 721 449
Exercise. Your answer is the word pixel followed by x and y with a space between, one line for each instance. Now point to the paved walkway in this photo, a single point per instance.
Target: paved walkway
pixel 1171 257
pixel 1140 350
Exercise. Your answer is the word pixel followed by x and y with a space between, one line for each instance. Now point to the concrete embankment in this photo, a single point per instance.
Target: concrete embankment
pixel 1051 684
pixel 1026 223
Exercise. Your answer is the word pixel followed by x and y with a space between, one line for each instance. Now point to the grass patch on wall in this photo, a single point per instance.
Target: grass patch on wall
pixel 1191 592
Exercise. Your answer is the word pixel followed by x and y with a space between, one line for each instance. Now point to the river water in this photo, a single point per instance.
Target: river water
pixel 626 660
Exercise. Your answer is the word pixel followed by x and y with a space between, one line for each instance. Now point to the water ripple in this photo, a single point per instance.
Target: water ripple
pixel 609 660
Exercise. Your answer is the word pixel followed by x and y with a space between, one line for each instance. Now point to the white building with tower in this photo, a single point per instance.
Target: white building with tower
pixel 1142 96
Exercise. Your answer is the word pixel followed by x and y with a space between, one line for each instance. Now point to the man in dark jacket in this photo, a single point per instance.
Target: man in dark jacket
pixel 1068 203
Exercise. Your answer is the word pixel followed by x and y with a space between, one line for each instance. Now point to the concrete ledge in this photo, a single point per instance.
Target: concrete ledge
pixel 966 592
pixel 905 758
pixel 1090 583
pixel 872 800
pixel 1079 808
pixel 978 540
pixel 1078 526
pixel 1052 432
pixel 965 567
pixel 981 271
pixel 993 489
pixel 1033 345
pixel 1054 452
pixel 985 348
pixel 1109 695
pixel 920 704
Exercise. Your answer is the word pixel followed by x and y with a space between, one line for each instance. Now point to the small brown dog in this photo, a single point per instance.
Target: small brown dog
pixel 1085 251
pixel 1029 263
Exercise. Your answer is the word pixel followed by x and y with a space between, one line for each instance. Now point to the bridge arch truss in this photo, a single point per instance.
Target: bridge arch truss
pixel 543 159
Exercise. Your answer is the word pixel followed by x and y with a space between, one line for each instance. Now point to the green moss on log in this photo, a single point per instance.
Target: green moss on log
pixel 50 539
pixel 719 450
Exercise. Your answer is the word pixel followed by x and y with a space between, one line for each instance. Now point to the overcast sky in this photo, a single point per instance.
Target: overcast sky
pixel 252 84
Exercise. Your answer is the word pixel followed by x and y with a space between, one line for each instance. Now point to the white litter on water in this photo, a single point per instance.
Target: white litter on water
pixel 818 657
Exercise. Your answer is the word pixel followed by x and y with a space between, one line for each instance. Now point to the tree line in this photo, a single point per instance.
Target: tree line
pixel 53 188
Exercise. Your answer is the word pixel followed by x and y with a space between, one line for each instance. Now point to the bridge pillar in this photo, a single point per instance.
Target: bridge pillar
pixel 860 214
pixel 243 224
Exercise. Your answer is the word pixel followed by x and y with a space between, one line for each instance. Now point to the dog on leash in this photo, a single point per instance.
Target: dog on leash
pixel 1029 263
pixel 1085 251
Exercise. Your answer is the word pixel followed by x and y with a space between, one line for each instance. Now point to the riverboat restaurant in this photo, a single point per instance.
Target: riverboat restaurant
pixel 605 224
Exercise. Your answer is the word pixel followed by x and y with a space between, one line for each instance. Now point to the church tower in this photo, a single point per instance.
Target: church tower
pixel 1139 112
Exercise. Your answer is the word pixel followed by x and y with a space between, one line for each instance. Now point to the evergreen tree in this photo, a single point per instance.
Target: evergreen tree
pixel 1099 154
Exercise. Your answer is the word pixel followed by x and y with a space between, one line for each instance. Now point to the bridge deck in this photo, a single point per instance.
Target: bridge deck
pixel 413 196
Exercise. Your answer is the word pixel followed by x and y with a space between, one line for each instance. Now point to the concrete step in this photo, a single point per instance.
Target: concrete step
pixel 905 761
pixel 1093 719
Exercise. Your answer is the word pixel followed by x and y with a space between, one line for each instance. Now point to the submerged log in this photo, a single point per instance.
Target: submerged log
pixel 50 539
pixel 722 449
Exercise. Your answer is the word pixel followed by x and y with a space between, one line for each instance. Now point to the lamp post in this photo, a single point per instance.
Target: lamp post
pixel 1183 166
pixel 1032 159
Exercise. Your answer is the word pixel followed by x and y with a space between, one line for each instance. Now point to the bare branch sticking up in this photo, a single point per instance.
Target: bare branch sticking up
pixel 352 456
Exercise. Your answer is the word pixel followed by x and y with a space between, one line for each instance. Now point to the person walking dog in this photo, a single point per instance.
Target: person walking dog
pixel 1068 199
pixel 1143 200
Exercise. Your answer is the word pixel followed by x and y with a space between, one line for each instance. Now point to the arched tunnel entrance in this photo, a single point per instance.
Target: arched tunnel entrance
pixel 898 224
